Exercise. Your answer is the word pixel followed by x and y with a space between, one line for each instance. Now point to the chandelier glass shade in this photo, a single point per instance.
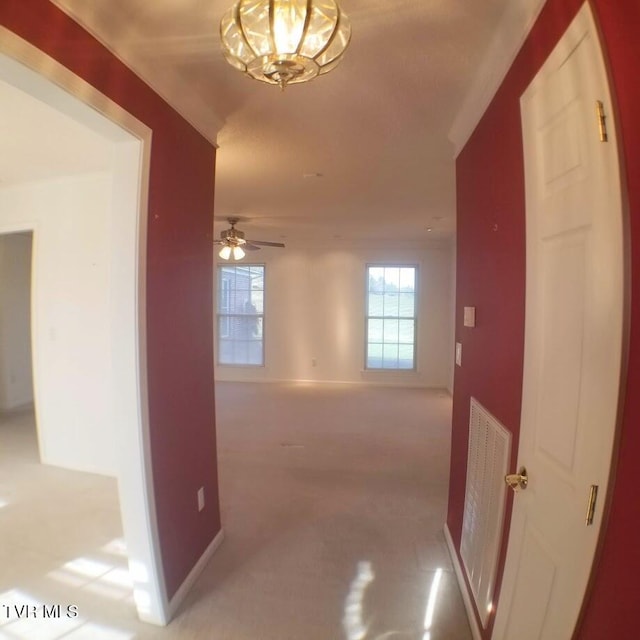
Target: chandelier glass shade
pixel 284 41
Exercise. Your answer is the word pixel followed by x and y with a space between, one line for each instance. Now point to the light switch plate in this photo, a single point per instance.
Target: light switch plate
pixel 469 316
pixel 459 353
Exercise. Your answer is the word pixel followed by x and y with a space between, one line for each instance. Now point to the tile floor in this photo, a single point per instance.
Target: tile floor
pixel 333 501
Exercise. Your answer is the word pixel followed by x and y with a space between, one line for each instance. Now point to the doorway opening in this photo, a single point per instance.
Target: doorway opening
pixel 16 383
pixel 77 181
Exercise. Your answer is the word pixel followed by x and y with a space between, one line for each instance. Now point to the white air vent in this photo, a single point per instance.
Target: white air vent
pixel 487 460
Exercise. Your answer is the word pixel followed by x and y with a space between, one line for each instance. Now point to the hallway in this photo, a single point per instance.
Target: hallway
pixel 333 502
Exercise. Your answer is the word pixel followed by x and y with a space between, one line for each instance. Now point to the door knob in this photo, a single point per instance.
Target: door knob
pixel 518 480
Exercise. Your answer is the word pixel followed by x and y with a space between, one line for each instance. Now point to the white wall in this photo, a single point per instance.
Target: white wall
pixel 16 388
pixel 315 309
pixel 70 218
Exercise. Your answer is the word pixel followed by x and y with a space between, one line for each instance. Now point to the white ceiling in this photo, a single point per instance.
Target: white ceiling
pixel 375 128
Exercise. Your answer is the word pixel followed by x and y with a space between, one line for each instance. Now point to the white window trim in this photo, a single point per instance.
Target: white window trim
pixel 220 315
pixel 367 317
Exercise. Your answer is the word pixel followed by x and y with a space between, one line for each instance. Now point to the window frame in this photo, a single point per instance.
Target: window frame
pixel 224 303
pixel 415 318
pixel 228 316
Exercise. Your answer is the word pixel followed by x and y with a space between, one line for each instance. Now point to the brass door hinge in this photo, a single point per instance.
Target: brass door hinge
pixel 591 507
pixel 602 121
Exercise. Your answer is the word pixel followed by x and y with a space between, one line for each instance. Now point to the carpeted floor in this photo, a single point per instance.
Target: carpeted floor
pixel 333 503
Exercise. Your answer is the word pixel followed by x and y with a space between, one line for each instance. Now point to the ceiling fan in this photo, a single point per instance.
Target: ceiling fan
pixel 234 244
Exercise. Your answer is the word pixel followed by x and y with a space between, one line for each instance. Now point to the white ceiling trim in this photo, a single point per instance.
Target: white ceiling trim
pixel 515 25
pixel 63 90
pixel 195 112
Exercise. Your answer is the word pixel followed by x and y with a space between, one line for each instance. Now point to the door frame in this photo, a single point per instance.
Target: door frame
pixel 34 72
pixel 585 22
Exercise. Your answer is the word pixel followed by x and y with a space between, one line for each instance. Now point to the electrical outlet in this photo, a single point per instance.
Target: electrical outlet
pixel 200 498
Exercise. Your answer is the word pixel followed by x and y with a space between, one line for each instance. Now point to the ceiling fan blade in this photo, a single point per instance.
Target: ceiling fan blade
pixel 219 242
pixel 247 246
pixel 264 243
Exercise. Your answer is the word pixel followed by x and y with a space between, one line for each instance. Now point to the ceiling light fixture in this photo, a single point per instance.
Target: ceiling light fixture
pixel 232 241
pixel 284 41
pixel 231 251
pixel 225 252
pixel 235 245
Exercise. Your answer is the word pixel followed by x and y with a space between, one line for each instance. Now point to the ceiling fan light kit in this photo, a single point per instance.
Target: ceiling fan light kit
pixel 237 253
pixel 234 244
pixel 284 42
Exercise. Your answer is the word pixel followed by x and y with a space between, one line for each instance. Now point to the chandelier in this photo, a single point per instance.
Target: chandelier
pixel 284 41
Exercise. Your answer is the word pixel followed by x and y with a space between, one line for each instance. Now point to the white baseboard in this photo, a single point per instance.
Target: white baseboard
pixel 466 598
pixel 189 581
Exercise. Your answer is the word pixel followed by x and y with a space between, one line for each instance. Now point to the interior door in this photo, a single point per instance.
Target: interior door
pixel 573 339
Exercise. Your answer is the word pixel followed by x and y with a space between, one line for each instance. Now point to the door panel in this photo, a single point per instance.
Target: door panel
pixel 573 339
pixel 539 567
pixel 562 335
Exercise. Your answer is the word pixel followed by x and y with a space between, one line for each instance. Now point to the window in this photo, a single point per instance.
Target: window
pixel 225 307
pixel 391 317
pixel 241 314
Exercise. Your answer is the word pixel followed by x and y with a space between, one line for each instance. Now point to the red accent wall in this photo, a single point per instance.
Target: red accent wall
pixel 491 276
pixel 179 285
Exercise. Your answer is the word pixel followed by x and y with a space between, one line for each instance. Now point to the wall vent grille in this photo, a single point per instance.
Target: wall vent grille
pixel 487 463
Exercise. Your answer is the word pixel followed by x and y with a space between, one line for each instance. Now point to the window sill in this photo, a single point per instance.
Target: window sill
pixel 239 366
pixel 409 373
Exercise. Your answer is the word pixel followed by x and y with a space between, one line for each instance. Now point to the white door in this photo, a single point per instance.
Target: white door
pixel 573 339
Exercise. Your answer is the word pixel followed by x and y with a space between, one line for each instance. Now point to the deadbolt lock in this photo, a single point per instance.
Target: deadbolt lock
pixel 517 481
